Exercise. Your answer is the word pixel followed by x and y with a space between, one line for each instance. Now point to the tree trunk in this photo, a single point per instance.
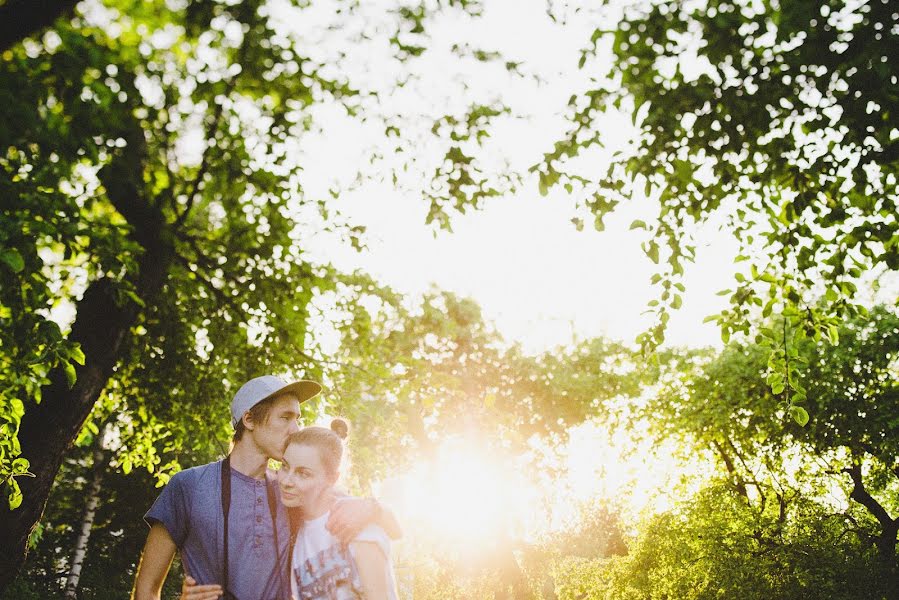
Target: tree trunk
pixel 87 522
pixel 20 19
pixel 102 321
pixel 889 527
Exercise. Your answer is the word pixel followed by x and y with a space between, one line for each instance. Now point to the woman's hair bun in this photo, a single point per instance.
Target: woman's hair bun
pixel 341 427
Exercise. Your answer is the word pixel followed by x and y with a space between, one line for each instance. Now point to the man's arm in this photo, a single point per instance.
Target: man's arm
pixel 387 520
pixel 154 564
pixel 351 515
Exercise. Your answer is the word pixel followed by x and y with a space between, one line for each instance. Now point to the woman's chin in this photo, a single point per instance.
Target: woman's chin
pixel 291 500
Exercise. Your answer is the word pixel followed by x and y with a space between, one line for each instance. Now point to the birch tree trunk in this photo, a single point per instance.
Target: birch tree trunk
pixel 87 522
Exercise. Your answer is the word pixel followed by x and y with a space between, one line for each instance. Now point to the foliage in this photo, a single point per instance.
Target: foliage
pixel 116 538
pixel 144 137
pixel 775 117
pixel 414 374
pixel 716 546
pixel 837 474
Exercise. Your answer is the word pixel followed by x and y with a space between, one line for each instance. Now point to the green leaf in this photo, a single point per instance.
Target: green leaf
pixel 638 224
pixel 71 376
pixel 542 187
pixel 13 259
pixel 15 495
pixel 653 252
pixel 799 414
pixel 77 355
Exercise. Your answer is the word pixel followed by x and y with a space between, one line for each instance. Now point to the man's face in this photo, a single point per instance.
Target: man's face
pixel 271 435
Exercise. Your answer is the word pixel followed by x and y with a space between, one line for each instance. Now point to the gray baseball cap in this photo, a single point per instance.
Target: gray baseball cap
pixel 262 388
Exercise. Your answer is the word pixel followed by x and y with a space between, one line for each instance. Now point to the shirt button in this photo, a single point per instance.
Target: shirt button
pixel 259 500
pixel 258 518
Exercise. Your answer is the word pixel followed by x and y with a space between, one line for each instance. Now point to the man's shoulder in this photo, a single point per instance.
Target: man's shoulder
pixel 198 475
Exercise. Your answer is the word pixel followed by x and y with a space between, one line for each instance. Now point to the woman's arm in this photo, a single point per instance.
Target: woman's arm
pixel 372 566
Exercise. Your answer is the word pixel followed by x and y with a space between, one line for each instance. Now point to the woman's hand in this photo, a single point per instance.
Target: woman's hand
pixel 191 591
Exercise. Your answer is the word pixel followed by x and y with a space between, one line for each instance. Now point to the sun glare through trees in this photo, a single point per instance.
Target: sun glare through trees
pixel 607 291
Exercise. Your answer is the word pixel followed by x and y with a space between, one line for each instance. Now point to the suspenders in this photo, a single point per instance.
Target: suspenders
pixel 226 509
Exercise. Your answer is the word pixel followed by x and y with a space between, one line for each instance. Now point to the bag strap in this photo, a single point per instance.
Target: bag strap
pixel 226 508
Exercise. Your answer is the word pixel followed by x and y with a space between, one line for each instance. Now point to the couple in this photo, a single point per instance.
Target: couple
pixel 244 532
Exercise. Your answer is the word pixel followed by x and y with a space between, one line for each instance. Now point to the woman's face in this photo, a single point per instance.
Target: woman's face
pixel 303 478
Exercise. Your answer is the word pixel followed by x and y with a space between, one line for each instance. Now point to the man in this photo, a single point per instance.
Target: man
pixel 190 514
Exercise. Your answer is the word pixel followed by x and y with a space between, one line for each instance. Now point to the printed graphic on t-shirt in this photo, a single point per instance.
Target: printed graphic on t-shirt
pixel 328 575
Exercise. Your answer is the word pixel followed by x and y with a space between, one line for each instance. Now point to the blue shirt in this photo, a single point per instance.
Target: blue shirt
pixel 190 508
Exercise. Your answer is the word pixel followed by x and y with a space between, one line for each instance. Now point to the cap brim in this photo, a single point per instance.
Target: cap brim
pixel 303 390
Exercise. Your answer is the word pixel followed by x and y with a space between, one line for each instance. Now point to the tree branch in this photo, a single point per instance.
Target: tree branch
pixel 861 495
pixel 729 465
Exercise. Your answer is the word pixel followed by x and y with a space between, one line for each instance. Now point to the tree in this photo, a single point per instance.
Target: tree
pixel 415 377
pixel 184 274
pixel 716 546
pixel 837 473
pixel 438 368
pixel 776 117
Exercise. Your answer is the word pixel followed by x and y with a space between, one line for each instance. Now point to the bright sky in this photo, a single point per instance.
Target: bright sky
pixel 537 278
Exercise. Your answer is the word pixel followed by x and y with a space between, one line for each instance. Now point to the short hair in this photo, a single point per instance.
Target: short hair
pixel 259 413
pixel 329 442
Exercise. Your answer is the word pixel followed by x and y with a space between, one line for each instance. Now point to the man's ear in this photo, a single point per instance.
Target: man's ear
pixel 248 422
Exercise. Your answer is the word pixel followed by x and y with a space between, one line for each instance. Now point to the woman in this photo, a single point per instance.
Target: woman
pixel 320 567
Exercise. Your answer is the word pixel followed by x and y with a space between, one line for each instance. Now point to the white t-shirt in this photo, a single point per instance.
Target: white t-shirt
pixel 321 570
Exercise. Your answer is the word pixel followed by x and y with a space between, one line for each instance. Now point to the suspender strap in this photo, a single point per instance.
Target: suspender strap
pixel 273 511
pixel 226 508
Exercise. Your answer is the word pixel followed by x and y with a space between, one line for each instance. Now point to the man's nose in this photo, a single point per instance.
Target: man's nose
pixel 294 426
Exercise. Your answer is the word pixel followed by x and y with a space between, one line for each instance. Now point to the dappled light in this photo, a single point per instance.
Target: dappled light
pixel 607 292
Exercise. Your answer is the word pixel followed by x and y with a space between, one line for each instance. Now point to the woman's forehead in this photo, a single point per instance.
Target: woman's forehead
pixel 303 455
